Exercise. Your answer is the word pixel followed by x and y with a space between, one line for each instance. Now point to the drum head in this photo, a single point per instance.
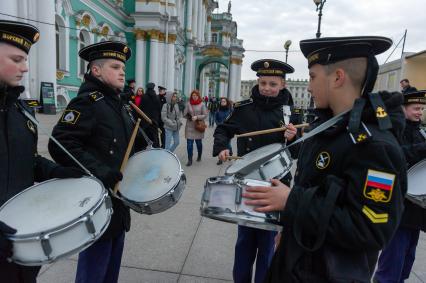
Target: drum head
pixel 149 175
pixel 51 204
pixel 253 159
pixel 417 179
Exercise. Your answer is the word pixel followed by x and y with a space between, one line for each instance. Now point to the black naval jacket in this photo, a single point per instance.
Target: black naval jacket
pixel 414 147
pixel 255 114
pixel 20 165
pixel 96 129
pixel 331 177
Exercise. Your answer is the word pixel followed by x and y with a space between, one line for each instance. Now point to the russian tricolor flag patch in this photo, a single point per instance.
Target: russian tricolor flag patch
pixel 379 185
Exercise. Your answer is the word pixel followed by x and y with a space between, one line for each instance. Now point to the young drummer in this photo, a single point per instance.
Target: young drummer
pixel 96 129
pixel 351 178
pixel 264 110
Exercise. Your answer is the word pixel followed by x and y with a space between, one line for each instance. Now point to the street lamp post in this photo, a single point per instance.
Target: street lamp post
pixel 286 47
pixel 320 5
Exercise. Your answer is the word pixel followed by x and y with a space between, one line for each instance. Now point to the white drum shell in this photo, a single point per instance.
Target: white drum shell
pixel 153 181
pixel 275 168
pixel 222 201
pixel 61 241
pixel 416 184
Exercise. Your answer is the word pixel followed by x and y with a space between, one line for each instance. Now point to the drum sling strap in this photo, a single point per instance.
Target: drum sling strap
pixel 34 120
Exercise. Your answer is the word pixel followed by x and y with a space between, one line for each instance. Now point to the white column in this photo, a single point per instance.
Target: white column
pixel 200 20
pixel 171 67
pixel 46 46
pixel 153 59
pixel 9 8
pixel 209 31
pixel 195 19
pixel 231 80
pixel 140 60
pixel 161 62
pixel 237 80
pixel 189 19
pixel 222 92
pixel 203 29
pixel 188 70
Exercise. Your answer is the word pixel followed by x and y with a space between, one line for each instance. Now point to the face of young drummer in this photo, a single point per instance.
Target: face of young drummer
pixel 112 73
pixel 414 111
pixel 270 85
pixel 13 64
pixel 318 86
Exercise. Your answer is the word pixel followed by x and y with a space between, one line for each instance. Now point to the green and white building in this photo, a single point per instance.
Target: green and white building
pixel 175 43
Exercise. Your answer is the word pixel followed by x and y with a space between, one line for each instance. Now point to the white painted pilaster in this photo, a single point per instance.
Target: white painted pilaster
pixel 140 62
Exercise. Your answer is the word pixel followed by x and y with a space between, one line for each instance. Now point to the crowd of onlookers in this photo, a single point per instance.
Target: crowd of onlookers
pixel 169 111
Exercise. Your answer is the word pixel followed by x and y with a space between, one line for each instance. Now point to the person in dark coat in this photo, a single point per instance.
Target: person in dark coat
pixel 397 259
pixel 264 110
pixel 151 106
pixel 163 100
pixel 96 129
pixel 406 87
pixel 222 112
pixel 128 93
pixel 347 198
pixel 20 164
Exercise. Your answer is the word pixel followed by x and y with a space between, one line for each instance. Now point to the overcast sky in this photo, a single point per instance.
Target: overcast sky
pixel 267 24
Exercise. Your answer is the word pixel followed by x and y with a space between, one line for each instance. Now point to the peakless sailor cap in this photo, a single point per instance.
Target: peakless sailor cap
pixel 21 35
pixel 328 50
pixel 415 97
pixel 271 67
pixel 161 87
pixel 106 50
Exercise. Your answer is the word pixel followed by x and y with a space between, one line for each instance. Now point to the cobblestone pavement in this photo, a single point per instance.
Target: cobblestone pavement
pixel 179 245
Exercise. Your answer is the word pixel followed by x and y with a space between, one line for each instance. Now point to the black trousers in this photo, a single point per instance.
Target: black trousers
pixel 14 273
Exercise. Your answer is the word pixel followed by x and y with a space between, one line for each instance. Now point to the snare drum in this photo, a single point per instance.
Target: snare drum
pixel 222 200
pixel 416 190
pixel 153 181
pixel 56 218
pixel 265 163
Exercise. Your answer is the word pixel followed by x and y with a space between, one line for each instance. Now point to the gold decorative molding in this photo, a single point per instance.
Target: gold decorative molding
pixel 223 80
pixel 213 51
pixel 95 30
pixel 86 20
pixel 209 18
pixel 140 34
pixel 105 31
pixel 225 33
pixel 236 61
pixel 172 38
pixel 162 37
pixel 59 75
pixel 154 34
pixel 78 22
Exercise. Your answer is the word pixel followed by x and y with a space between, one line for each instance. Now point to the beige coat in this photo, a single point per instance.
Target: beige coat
pixel 194 110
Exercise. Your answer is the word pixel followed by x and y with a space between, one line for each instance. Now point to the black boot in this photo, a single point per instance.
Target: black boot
pixel 189 162
pixel 199 157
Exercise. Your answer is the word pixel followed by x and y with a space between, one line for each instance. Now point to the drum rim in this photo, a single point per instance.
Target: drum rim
pixel 37 235
pixel 412 168
pixel 268 157
pixel 180 174
pixel 81 248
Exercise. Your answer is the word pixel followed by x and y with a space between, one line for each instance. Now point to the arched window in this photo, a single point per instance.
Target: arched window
pixel 83 41
pixel 61 44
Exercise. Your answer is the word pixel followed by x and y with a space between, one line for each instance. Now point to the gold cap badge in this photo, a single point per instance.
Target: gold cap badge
pixel 266 65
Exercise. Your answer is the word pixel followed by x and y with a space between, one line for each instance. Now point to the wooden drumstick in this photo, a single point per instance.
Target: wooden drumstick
pixel 140 112
pixel 129 148
pixel 268 131
pixel 234 157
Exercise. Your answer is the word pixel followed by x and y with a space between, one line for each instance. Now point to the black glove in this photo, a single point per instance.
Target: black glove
pixel 66 172
pixel 111 178
pixel 5 244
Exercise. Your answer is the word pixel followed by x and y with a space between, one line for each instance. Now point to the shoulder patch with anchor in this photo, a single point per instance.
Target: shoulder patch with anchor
pixel 95 96
pixel 243 103
pixel 70 116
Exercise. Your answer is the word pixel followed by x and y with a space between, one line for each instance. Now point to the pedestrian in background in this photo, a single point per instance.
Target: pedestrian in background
pixel 171 115
pixel 194 110
pixel 406 87
pixel 223 111
pixel 212 106
pixel 138 97
pixel 151 106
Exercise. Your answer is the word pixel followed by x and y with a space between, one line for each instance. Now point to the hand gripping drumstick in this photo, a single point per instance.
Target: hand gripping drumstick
pixel 129 148
pixel 143 115
pixel 268 131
